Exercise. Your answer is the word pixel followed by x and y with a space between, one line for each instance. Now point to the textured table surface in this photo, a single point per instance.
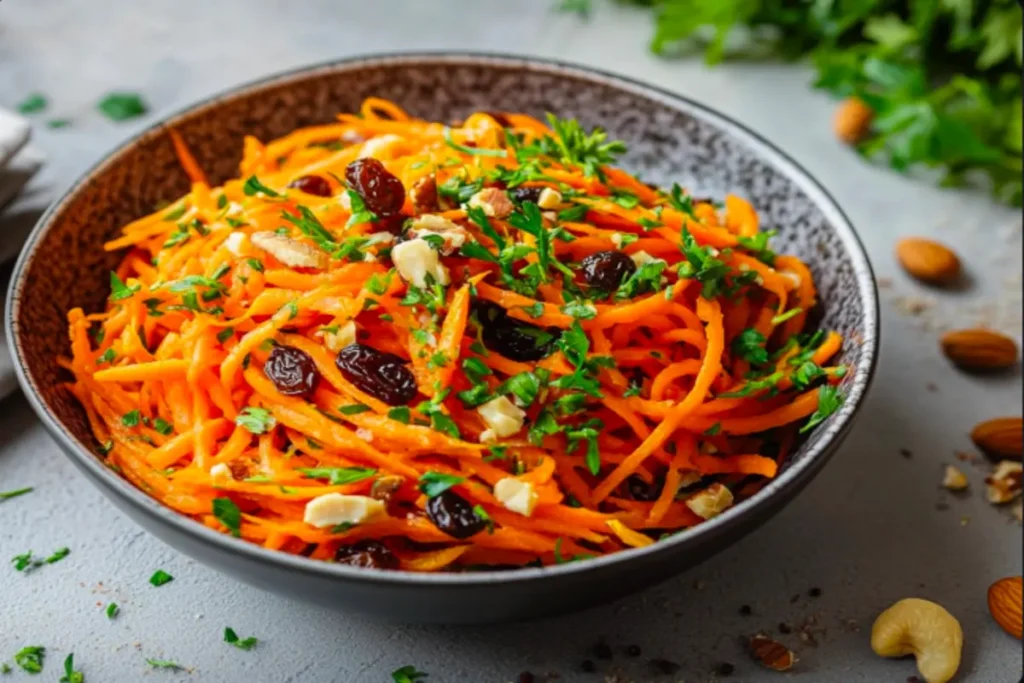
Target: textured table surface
pixel 869 530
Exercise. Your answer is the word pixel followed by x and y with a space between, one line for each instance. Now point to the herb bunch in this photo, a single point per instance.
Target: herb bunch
pixel 943 77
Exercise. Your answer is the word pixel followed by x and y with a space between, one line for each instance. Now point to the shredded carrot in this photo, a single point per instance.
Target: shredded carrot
pixel 564 372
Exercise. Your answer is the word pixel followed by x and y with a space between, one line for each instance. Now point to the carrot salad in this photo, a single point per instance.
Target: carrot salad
pixel 399 344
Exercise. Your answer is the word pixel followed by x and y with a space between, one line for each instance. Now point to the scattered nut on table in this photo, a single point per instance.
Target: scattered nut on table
pixel 1004 484
pixel 924 629
pixel 954 479
pixel 771 653
pixel 1004 603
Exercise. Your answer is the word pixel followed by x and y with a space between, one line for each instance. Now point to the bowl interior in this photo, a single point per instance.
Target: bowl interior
pixel 669 139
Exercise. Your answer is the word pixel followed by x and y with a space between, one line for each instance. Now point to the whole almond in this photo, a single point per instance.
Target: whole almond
pixel 1004 602
pixel 979 350
pixel 928 260
pixel 1001 438
pixel 852 120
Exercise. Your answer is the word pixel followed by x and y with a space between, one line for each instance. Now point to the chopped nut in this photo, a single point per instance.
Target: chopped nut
pixel 452 234
pixel 771 654
pixel 385 487
pixel 1004 484
pixel 336 341
pixel 549 199
pixel 290 252
pixel 954 479
pixel 493 201
pixel 710 502
pixel 423 194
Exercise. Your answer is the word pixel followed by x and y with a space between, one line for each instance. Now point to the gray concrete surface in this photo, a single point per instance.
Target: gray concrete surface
pixel 867 531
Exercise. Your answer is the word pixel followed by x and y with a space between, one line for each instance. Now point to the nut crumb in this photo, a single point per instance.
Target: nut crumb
pixel 770 653
pixel 954 479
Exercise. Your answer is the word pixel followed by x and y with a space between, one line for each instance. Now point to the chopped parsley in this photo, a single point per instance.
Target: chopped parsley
pixel 353 409
pixel 749 346
pixel 131 418
pixel 7 495
pixel 33 104
pixel 407 674
pixel 164 664
pixel 119 290
pixel 433 484
pixel 337 476
pixel 228 514
pixel 160 577
pixel 112 610
pixel 829 401
pixel 480 512
pixel 253 187
pixel 754 386
pixel 231 638
pixel 121 106
pixel 70 675
pixel 162 426
pixel 757 246
pixel 58 555
pixel 30 658
pixel 571 144
pixel 702 265
pixel 400 414
pixel 783 317
pixel 806 375
pixel 256 420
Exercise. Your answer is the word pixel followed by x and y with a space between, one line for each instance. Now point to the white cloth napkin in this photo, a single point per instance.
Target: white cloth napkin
pixel 18 163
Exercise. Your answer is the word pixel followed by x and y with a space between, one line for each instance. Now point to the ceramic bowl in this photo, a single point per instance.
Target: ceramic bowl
pixel 670 138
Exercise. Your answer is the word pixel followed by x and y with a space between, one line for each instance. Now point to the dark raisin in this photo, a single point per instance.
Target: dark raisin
pixel 514 339
pixel 784 628
pixel 814 592
pixel 292 371
pixel 606 270
pixel 312 184
pixel 423 194
pixel 633 650
pixel 526 194
pixel 382 375
pixel 746 610
pixel 380 190
pixel 452 514
pixel 643 491
pixel 370 554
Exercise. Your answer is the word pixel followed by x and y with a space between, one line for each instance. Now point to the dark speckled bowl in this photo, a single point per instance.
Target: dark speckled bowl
pixel 670 139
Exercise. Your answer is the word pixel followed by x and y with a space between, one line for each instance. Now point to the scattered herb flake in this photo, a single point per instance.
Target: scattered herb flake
pixel 121 106
pixel 160 577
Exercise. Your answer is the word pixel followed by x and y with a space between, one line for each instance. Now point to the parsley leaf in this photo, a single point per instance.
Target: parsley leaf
pixel 433 484
pixel 829 401
pixel 7 495
pixel 703 266
pixel 112 610
pixel 806 375
pixel 160 577
pixel 164 664
pixel 119 290
pixel 228 514
pixel 231 638
pixel 253 187
pixel 337 476
pixel 30 658
pixel 70 675
pixel 407 674
pixel 749 345
pixel 256 420
pixel 33 104
pixel 121 106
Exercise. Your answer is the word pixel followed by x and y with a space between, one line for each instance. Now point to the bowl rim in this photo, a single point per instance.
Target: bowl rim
pixel 795 475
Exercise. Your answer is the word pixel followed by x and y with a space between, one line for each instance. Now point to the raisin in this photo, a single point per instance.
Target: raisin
pixel 526 194
pixel 369 554
pixel 382 375
pixel 312 184
pixel 292 371
pixel 452 514
pixel 514 339
pixel 606 270
pixel 641 490
pixel 380 190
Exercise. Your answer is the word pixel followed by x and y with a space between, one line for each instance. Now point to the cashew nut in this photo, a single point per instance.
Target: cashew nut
pixel 924 629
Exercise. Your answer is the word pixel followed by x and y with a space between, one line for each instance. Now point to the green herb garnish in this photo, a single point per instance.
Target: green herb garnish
pixel 160 577
pixel 433 484
pixel 337 476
